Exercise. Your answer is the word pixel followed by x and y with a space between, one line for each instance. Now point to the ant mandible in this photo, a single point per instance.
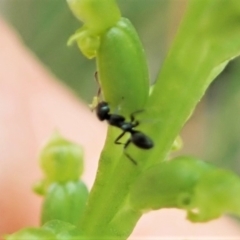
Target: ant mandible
pixel 138 138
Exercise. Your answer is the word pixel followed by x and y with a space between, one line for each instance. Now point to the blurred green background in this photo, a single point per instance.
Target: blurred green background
pixel 212 133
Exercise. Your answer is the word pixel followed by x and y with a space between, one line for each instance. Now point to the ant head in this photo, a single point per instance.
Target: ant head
pixel 102 111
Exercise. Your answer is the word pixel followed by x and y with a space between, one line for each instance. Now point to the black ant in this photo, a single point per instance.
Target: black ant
pixel 138 138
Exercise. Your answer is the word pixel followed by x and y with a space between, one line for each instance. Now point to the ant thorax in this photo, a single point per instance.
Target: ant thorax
pixel 116 120
pixel 127 126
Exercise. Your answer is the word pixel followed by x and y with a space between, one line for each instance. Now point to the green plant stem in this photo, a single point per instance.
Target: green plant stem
pixel 110 199
pixel 100 187
pixel 196 58
pixel 123 230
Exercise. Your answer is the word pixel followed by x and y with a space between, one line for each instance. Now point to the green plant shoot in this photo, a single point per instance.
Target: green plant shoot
pixel 103 34
pixel 207 40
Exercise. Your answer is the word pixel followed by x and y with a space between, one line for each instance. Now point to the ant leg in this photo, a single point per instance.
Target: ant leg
pixel 125 146
pixel 132 117
pixel 119 137
pixel 126 154
pixel 130 158
pixel 127 143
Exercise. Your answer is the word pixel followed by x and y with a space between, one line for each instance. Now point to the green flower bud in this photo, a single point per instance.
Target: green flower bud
pixel 118 51
pixel 216 193
pixel 121 63
pixel 61 160
pixel 97 15
pixel 65 202
pixel 32 234
pixel 122 68
pixel 168 184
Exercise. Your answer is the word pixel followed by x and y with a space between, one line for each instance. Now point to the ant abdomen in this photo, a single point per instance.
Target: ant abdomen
pixel 141 140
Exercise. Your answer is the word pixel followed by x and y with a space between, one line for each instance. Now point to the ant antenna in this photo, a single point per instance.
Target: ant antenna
pixel 99 87
pixel 96 98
